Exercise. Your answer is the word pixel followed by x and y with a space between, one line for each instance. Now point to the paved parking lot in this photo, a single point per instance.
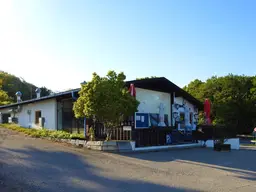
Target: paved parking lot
pixel 28 164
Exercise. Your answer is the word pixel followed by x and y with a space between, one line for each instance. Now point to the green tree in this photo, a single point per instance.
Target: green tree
pixel 233 100
pixel 152 77
pixel 107 99
pixel 195 88
pixel 11 84
pixel 253 88
pixel 4 99
pixel 45 91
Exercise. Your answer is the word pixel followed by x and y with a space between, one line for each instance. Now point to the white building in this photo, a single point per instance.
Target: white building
pixel 52 112
pixel 177 105
pixel 163 106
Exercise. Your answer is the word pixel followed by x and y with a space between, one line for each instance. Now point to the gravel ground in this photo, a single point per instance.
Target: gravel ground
pixel 28 164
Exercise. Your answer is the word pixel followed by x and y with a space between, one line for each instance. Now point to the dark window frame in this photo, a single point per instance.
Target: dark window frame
pixel 38 114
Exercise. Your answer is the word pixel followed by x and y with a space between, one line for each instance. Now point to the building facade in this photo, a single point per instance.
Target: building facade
pixel 164 110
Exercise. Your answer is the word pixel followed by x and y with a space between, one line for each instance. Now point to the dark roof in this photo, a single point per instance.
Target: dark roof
pixel 157 84
pixel 60 94
pixel 164 85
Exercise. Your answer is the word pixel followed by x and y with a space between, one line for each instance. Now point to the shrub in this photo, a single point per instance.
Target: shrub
pixel 35 134
pixel 77 136
pixel 43 133
pixel 92 134
pixel 63 135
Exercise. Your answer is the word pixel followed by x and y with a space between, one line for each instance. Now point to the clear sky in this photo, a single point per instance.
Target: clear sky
pixel 60 43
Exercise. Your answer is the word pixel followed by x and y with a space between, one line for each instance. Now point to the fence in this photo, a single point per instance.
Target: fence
pixel 155 136
pixel 151 137
pixel 116 134
pixel 206 132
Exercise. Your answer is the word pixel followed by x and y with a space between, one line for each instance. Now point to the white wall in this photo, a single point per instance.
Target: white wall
pixel 48 110
pixel 150 101
pixel 192 108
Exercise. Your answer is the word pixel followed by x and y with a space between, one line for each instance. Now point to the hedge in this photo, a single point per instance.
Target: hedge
pixel 43 133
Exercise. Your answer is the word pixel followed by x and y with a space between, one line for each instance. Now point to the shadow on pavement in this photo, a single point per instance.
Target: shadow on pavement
pixel 241 161
pixel 53 171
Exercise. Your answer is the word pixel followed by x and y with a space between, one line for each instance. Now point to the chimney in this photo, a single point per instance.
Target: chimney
pixel 18 95
pixel 38 93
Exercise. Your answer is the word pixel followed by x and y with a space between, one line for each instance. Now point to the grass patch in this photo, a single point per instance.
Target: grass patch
pixel 248 144
pixel 246 136
pixel 43 133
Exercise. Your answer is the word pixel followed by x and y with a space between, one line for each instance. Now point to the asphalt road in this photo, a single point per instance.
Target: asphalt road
pixel 28 164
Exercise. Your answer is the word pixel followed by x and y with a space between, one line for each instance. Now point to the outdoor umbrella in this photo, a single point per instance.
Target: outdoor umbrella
pixel 132 90
pixel 207 111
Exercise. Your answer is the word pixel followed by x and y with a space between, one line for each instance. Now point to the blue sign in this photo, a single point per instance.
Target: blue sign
pixel 141 120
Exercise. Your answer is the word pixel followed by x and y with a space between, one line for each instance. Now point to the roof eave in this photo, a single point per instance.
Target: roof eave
pixel 172 88
pixel 39 99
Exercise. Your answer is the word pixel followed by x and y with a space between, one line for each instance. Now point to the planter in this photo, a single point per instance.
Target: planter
pixel 234 143
pixel 111 146
pixel 78 138
pixel 80 143
pixel 253 142
pixel 222 147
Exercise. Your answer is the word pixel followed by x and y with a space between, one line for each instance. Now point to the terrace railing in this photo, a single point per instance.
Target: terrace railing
pixel 116 133
pixel 151 136
pixel 207 132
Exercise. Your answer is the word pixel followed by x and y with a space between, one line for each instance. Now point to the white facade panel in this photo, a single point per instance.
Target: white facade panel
pixel 26 116
pixel 191 109
pixel 150 101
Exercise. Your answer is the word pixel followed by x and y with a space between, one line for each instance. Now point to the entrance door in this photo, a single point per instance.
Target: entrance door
pixel 5 117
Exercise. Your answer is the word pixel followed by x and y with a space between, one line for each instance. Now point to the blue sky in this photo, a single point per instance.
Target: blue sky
pixel 60 43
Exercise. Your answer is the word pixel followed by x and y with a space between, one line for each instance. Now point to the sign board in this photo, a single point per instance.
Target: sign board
pixel 127 128
pixel 141 120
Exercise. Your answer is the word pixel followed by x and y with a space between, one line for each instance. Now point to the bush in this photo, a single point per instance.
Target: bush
pixel 43 133
pixel 63 135
pixel 92 134
pixel 77 136
pixel 35 134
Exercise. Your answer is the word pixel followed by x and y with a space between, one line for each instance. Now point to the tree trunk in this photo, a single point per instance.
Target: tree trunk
pixel 108 132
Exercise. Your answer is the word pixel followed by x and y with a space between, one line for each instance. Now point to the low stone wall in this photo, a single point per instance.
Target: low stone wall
pixel 75 142
pixel 123 146
pixel 111 146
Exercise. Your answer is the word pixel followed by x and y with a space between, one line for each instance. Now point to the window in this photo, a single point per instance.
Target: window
pixel 182 116
pixel 191 118
pixel 182 119
pixel 37 116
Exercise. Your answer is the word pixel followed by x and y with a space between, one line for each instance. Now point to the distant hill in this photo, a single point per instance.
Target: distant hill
pixel 10 84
